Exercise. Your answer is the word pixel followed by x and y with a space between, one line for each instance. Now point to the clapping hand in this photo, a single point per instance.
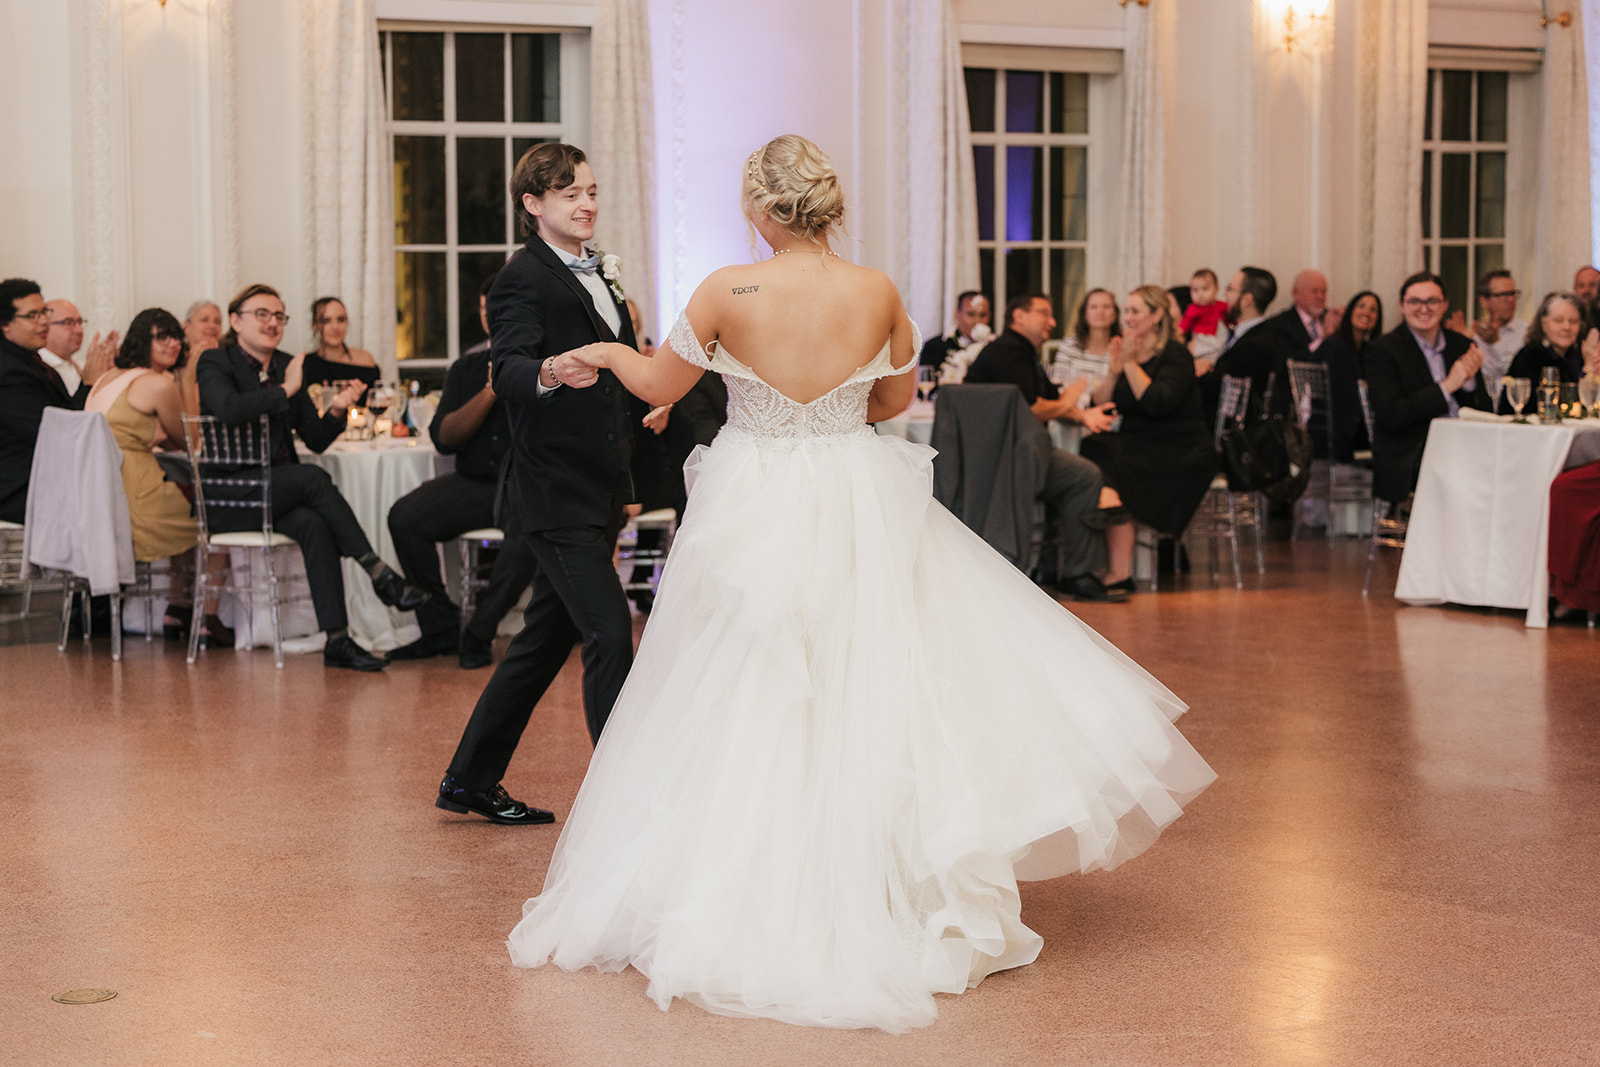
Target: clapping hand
pixel 1463 369
pixel 1331 319
pixel 349 393
pixel 101 356
pixel 1098 419
pixel 657 419
pixel 1591 353
pixel 1457 322
pixel 1115 351
pixel 293 374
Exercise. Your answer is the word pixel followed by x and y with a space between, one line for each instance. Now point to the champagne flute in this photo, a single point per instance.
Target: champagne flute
pixel 925 382
pixel 1519 392
pixel 1589 393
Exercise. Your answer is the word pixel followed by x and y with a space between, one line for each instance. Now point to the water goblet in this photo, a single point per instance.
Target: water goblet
pixel 1589 393
pixel 1519 391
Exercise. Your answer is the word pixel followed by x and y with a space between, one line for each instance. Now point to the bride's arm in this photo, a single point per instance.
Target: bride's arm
pixel 892 395
pixel 659 379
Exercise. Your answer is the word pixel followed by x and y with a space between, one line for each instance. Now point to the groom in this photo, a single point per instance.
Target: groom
pixel 567 481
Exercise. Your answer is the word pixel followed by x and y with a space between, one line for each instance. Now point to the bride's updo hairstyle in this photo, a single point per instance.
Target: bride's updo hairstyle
pixel 792 182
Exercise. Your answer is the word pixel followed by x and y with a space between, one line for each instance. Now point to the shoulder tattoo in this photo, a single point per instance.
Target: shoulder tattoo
pixel 740 290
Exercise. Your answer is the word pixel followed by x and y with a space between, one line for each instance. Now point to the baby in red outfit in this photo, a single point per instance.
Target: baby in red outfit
pixel 1205 325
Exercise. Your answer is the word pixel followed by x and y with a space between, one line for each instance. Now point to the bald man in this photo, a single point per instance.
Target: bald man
pixel 1301 328
pixel 62 343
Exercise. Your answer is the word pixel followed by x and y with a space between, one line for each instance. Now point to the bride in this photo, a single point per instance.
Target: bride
pixel 851 726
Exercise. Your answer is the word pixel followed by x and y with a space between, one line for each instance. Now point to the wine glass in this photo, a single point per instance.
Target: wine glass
pixel 925 382
pixel 379 399
pixel 1589 393
pixel 1519 391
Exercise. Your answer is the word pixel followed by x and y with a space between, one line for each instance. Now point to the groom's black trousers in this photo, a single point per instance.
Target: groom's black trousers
pixel 576 597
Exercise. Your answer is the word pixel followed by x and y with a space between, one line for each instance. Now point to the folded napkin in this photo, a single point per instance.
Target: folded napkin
pixel 1474 415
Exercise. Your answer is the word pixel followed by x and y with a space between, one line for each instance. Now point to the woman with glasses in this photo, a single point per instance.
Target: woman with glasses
pixel 1556 339
pixel 1416 373
pixel 248 377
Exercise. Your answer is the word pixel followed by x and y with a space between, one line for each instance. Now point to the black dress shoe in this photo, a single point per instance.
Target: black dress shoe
pixel 1087 587
pixel 398 593
pixel 342 651
pixel 426 646
pixel 1125 586
pixel 475 652
pixel 496 805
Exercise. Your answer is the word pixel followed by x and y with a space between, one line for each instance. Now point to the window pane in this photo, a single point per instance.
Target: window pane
pixel 1069 194
pixel 1427 257
pixel 418 190
pixel 980 99
pixel 1024 194
pixel 1427 194
pixel 1427 108
pixel 481 190
pixel 1069 103
pixel 1453 269
pixel 420 301
pixel 1066 284
pixel 986 284
pixel 1456 118
pixel 1489 257
pixel 1024 272
pixel 519 145
pixel 1024 101
pixel 1455 194
pixel 536 77
pixel 1491 194
pixel 480 77
pixel 419 76
pixel 983 172
pixel 1492 105
pixel 472 269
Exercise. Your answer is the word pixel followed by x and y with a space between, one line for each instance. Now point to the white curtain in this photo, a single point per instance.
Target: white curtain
pixel 1564 235
pixel 622 148
pixel 1147 57
pixel 935 231
pixel 1394 69
pixel 348 180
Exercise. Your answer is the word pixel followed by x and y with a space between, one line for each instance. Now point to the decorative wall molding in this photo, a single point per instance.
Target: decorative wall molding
pixel 499 12
pixel 1047 36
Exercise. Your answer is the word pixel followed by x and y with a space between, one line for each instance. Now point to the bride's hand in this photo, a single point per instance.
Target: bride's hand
pixel 593 355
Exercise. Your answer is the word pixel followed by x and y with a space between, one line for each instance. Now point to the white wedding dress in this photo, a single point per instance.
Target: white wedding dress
pixel 850 728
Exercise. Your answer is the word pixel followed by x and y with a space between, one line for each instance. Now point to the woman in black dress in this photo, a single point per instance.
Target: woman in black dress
pixel 1344 351
pixel 1161 461
pixel 1555 340
pixel 332 362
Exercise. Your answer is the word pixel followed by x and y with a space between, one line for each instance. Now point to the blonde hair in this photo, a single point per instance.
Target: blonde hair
pixel 793 183
pixel 1155 298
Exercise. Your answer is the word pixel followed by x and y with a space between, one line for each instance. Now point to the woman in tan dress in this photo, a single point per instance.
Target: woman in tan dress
pixel 140 401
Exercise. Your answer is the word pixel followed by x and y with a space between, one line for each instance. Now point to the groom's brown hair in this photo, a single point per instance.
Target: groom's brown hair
pixel 542 168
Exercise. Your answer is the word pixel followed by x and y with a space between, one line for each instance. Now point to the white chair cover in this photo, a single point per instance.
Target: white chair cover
pixel 77 512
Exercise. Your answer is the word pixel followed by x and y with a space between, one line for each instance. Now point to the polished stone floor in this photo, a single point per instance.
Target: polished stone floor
pixel 1400 863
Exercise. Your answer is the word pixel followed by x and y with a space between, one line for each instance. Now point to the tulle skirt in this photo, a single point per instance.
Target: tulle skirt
pixel 851 727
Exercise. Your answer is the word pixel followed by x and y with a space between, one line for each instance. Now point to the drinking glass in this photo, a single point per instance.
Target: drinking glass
pixel 1519 391
pixel 1589 393
pixel 925 382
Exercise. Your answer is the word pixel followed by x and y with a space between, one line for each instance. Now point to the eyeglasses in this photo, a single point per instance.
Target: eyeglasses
pixel 165 335
pixel 264 316
pixel 1419 303
pixel 69 323
pixel 32 316
pixel 1507 292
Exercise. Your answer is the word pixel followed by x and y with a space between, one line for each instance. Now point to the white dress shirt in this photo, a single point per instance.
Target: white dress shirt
pixel 69 372
pixel 1497 357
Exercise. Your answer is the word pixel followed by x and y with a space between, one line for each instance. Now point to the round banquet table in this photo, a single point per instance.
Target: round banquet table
pixel 371 475
pixel 1480 523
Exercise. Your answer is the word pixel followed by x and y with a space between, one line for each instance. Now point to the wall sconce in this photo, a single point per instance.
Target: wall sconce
pixel 1564 20
pixel 1303 22
pixel 1141 3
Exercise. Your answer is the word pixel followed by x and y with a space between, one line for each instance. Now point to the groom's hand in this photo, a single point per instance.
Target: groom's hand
pixel 572 369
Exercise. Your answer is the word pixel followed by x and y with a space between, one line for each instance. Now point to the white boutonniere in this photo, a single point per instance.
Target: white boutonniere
pixel 611 270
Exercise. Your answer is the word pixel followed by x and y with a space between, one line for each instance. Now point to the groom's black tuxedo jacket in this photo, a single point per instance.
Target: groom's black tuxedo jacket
pixel 570 448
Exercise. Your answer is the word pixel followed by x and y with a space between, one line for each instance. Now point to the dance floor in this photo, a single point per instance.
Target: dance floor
pixel 1400 863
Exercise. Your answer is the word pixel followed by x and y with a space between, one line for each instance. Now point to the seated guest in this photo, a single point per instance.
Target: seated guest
pixel 135 399
pixel 1574 558
pixel 471 425
pixel 332 362
pixel 62 343
pixel 1499 333
pixel 1160 462
pixel 1416 373
pixel 202 331
pixel 972 311
pixel 1252 351
pixel 1586 287
pixel 1553 341
pixel 1302 327
pixel 1089 343
pixel 247 377
pixel 1344 354
pixel 28 386
pixel 1204 325
pixel 1072 484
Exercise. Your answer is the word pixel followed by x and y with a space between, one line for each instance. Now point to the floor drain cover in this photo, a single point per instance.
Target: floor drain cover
pixel 84 996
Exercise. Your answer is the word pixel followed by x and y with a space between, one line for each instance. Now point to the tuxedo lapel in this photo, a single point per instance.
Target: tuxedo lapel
pixel 552 262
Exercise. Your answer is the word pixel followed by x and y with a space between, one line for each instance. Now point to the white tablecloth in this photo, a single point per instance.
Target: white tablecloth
pixel 372 475
pixel 1480 523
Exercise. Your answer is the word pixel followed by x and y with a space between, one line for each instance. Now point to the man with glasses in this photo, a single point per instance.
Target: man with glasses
pixel 28 385
pixel 1416 373
pixel 61 344
pixel 1500 334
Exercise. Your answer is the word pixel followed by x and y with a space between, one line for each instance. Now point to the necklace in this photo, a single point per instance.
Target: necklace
pixel 785 251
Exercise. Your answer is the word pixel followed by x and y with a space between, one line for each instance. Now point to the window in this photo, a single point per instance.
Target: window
pixel 1030 154
pixel 463 107
pixel 1464 179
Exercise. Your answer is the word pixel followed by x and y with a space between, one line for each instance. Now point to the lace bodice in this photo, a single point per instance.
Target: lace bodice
pixel 757 410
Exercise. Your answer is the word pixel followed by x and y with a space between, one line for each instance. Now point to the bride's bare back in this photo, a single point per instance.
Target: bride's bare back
pixel 804 322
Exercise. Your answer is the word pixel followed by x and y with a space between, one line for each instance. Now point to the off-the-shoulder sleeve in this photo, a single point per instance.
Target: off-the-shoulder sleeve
pixel 686 345
pixel 916 353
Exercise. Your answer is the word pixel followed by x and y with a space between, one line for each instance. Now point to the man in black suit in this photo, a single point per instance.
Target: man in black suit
pixel 1416 373
pixel 1302 326
pixel 247 378
pixel 28 386
pixel 972 311
pixel 1253 350
pixel 471 424
pixel 1072 484
pixel 568 482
